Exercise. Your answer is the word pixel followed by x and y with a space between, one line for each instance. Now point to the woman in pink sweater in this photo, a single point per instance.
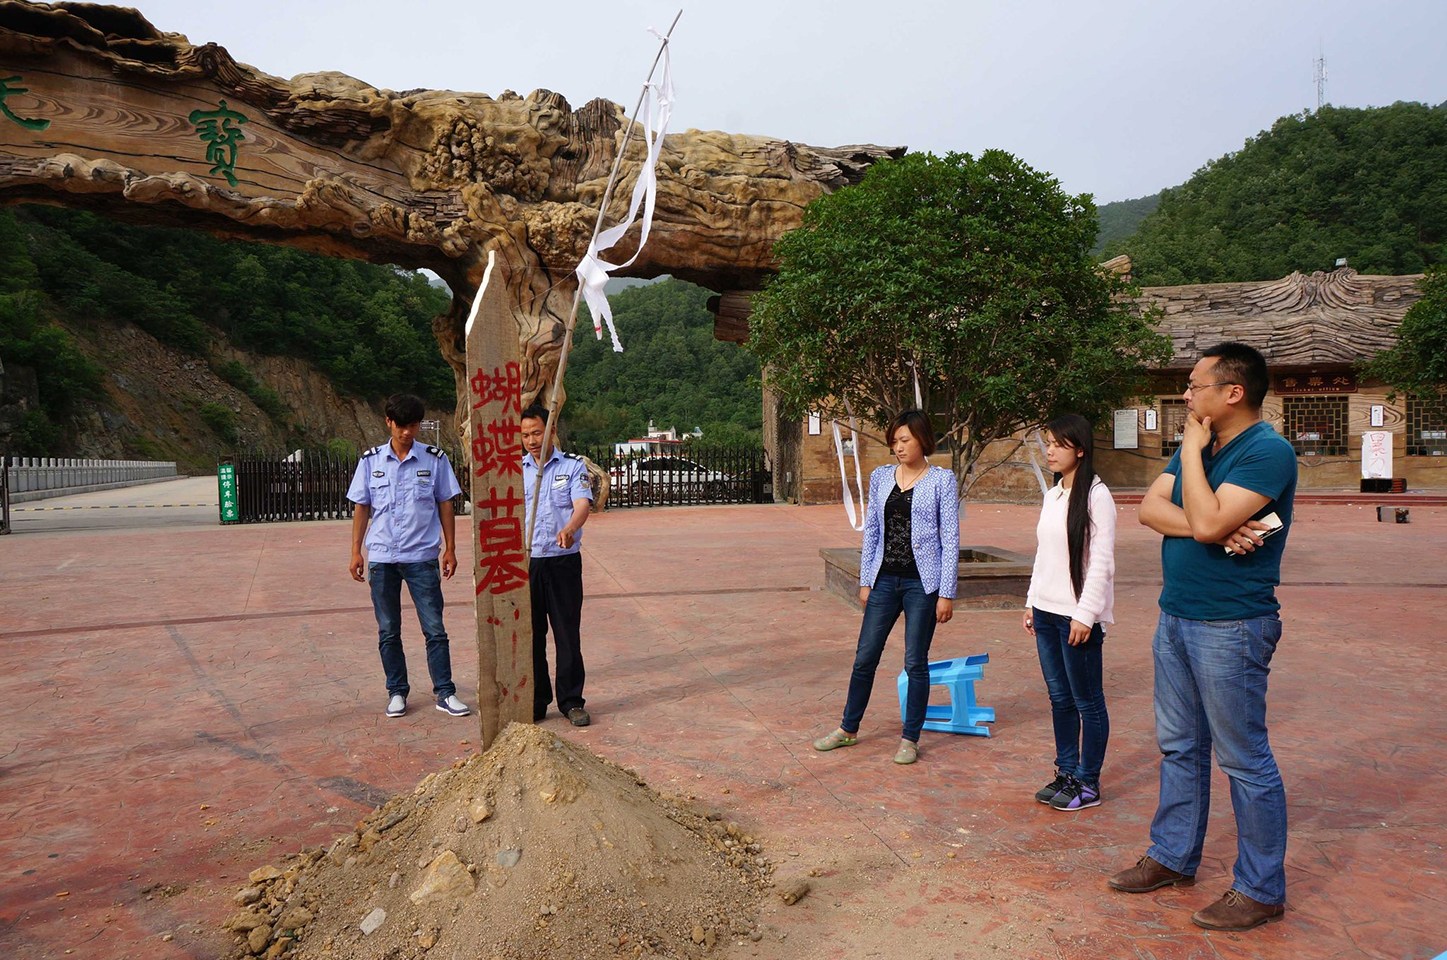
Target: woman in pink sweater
pixel 1070 601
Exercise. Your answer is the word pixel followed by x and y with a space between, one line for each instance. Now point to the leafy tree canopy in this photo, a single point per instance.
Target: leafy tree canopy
pixel 1366 184
pixel 977 270
pixel 1417 365
pixel 672 371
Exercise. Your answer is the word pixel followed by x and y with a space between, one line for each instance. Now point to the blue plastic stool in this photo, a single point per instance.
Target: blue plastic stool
pixel 961 714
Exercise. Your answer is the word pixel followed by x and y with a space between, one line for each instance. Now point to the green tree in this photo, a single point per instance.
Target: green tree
pixel 975 270
pixel 672 372
pixel 1369 185
pixel 1417 363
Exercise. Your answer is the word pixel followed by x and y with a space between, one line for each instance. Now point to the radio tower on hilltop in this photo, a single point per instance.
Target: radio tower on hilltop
pixel 1320 64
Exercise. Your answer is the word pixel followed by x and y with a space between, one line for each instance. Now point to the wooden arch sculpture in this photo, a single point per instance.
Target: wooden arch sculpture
pixel 99 109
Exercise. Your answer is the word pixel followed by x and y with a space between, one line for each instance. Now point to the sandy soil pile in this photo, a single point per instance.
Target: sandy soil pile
pixel 537 849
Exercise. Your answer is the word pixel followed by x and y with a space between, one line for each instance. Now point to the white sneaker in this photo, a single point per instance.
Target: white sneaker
pixel 397 706
pixel 453 706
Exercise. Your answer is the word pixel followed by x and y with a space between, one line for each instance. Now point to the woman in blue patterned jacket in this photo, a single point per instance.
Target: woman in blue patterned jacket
pixel 907 565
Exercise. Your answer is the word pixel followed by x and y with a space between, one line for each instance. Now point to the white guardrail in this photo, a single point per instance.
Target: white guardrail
pixel 39 474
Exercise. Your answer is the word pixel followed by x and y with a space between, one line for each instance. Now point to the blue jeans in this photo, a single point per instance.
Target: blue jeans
pixel 424 583
pixel 889 597
pixel 1077 698
pixel 1211 689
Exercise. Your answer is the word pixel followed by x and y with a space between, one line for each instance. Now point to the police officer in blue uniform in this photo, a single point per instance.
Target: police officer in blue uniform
pixel 403 492
pixel 555 572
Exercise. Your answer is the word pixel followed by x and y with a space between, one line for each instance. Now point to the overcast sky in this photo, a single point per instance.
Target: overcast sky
pixel 1115 99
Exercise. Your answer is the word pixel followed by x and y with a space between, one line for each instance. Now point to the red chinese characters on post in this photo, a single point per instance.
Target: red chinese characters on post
pixel 504 385
pixel 498 449
pixel 497 455
pixel 500 547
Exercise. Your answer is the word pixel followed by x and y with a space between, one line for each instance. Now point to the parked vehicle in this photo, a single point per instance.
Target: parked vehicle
pixel 674 476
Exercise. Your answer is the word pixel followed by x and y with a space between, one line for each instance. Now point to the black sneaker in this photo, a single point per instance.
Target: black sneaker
pixel 1077 795
pixel 1047 793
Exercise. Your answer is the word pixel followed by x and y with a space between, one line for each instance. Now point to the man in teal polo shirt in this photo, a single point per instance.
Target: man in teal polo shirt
pixel 1218 629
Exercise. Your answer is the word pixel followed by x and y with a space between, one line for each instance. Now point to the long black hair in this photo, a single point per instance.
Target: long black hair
pixel 1073 430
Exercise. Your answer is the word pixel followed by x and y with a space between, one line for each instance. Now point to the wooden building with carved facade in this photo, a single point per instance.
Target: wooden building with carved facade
pixel 1314 331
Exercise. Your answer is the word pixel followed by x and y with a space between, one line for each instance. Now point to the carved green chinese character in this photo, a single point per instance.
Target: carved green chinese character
pixel 5 91
pixel 221 130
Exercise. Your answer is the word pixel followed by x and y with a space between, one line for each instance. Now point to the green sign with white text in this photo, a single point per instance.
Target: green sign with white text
pixel 226 489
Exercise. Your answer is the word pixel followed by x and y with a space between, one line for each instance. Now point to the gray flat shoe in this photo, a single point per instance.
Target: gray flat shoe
pixel 835 740
pixel 908 752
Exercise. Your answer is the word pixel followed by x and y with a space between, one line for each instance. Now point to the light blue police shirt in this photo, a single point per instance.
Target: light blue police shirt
pixel 565 479
pixel 403 495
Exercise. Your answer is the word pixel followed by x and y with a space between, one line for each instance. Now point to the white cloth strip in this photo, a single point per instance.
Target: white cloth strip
pixel 593 271
pixel 477 299
pixel 1035 464
pixel 856 519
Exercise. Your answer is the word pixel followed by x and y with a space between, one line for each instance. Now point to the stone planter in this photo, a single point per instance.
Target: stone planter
pixel 990 578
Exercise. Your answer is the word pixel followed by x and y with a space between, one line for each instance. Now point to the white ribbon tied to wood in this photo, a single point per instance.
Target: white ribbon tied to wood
pixel 593 271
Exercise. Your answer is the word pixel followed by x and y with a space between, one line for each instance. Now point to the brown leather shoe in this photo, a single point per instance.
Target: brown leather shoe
pixel 1236 911
pixel 1148 875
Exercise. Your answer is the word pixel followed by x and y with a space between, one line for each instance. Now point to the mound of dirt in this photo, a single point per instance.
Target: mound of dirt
pixel 535 849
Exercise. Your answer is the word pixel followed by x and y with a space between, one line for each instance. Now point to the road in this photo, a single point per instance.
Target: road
pixel 184 502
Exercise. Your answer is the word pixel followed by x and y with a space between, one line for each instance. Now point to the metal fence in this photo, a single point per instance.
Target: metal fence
pixel 33 477
pixel 306 485
pixel 692 475
pixel 310 485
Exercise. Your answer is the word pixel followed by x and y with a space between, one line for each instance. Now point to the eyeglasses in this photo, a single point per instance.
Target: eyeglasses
pixel 1197 387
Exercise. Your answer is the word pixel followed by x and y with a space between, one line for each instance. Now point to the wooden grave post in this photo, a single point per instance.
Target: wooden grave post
pixel 500 570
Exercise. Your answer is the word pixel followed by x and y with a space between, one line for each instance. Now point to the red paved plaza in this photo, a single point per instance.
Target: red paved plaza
pixel 182 705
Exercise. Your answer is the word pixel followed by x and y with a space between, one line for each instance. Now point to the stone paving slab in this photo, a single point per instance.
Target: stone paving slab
pixel 182 705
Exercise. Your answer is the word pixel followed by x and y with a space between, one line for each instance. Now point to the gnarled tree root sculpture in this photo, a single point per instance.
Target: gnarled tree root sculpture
pixel 102 110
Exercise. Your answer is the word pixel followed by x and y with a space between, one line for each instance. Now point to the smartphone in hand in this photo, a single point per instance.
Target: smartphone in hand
pixel 1273 524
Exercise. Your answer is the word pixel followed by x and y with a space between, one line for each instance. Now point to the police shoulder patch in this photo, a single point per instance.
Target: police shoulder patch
pixel 375 450
pixel 573 456
pixel 435 451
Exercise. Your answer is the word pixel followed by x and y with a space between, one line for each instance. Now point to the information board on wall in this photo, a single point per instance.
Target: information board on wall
pixel 1127 430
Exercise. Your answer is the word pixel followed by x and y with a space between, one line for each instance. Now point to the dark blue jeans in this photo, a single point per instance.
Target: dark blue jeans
pixel 424 583
pixel 890 597
pixel 1211 694
pixel 1077 698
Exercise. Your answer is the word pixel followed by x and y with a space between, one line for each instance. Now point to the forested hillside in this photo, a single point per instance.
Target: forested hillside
pixel 1121 219
pixel 672 371
pixel 72 284
pixel 71 277
pixel 1368 185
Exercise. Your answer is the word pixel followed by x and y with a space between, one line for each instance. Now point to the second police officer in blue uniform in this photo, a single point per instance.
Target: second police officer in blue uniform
pixel 555 572
pixel 403 492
